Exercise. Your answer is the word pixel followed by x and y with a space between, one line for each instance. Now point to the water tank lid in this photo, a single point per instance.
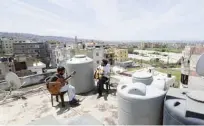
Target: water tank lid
pixel 142 75
pixel 79 56
pixel 78 59
pixel 196 95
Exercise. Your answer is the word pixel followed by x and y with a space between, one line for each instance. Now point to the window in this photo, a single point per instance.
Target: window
pixel 97 54
pixel 37 46
pixel 0 71
pixel 97 61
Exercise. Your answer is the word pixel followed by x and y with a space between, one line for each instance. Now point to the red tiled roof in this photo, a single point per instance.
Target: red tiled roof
pixel 197 50
pixel 193 73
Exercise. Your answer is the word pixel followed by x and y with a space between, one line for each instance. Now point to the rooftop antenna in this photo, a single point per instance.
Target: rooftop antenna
pixel 14 83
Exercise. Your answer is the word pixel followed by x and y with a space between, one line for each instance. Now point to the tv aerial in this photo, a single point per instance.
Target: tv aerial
pixel 14 83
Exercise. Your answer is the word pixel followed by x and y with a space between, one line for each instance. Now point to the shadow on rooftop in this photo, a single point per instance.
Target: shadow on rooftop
pixel 65 109
pixel 62 109
pixel 111 92
pixel 92 92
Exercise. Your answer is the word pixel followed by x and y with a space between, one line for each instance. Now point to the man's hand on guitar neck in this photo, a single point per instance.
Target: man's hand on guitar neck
pixel 67 82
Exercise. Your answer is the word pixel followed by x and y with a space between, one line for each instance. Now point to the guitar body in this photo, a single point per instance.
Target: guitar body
pixel 54 87
pixel 98 73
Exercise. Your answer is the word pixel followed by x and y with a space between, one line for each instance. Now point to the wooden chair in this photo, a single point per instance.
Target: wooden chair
pixel 61 94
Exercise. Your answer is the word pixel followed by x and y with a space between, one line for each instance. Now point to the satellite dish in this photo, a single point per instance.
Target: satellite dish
pixel 200 66
pixel 14 83
pixel 13 80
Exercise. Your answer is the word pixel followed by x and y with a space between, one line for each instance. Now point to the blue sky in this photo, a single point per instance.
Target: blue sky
pixel 106 19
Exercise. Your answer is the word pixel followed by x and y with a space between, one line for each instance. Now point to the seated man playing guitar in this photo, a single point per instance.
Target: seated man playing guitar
pixel 58 77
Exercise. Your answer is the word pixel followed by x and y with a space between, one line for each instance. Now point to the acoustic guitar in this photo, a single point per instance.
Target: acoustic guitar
pixel 54 87
pixel 98 73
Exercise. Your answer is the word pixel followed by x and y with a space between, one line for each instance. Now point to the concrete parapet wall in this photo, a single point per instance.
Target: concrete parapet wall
pixel 29 80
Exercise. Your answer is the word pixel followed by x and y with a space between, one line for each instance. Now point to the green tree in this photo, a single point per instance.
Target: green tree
pixel 163 50
pixel 130 50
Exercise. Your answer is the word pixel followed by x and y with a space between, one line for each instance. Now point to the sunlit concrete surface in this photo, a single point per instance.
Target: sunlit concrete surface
pixel 38 105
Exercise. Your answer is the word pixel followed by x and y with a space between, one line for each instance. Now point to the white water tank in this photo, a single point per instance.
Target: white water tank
pixel 143 77
pixel 183 107
pixel 83 80
pixel 139 104
pixel 159 83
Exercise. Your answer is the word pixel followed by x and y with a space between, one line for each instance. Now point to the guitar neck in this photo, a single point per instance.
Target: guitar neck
pixel 68 77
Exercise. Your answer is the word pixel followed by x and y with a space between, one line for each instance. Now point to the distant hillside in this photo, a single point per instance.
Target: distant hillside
pixel 37 38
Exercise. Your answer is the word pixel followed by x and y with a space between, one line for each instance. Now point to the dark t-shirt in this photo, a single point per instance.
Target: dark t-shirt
pixel 55 77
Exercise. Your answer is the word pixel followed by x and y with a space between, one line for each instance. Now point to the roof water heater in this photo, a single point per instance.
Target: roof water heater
pixel 139 104
pixel 182 107
pixel 143 77
pixel 83 80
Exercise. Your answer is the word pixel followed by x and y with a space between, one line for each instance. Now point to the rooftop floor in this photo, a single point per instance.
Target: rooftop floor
pixel 38 105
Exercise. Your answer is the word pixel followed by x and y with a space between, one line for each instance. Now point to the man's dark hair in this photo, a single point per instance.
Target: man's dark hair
pixel 105 61
pixel 60 68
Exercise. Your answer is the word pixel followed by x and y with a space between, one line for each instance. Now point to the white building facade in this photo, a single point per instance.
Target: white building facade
pixel 60 54
pixel 97 54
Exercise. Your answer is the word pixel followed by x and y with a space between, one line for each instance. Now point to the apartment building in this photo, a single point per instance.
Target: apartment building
pixel 6 46
pixel 31 49
pixel 110 56
pixel 97 54
pixel 60 54
pixel 145 45
pixel 37 50
pixel 121 55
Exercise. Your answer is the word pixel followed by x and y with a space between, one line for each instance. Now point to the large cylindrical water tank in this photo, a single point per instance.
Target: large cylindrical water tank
pixel 143 77
pixel 180 109
pixel 83 80
pixel 159 83
pixel 139 104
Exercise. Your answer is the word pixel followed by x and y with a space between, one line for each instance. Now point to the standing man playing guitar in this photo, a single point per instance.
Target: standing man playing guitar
pixel 102 75
pixel 58 77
